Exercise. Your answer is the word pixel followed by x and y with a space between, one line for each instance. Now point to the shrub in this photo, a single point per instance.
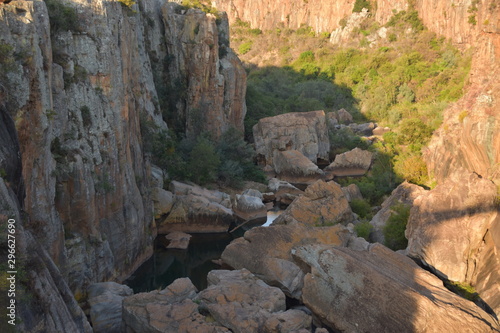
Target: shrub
pixel 394 230
pixel 361 207
pixel 363 229
pixel 203 162
pixel 86 117
pixel 62 17
pixel 245 47
pixel 360 4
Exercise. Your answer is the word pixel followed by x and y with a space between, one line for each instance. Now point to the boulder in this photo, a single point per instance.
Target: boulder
pixel 294 167
pixel 105 301
pixel 249 206
pixel 455 230
pixel 178 240
pixel 267 252
pixel 404 194
pixel 284 192
pixel 380 131
pixel 240 301
pixel 303 131
pixel 157 176
pixel 363 129
pixel 162 201
pixel 323 203
pixel 351 192
pixel 288 322
pixel 344 117
pixel 196 214
pixel 219 197
pixel 352 163
pixel 378 290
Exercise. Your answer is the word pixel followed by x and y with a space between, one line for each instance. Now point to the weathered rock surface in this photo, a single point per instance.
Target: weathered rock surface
pixel 205 70
pixel 162 201
pixel 167 311
pixel 267 252
pixel 322 204
pixel 293 167
pixel 240 301
pixel 352 163
pixel 344 34
pixel 284 192
pixel 250 206
pixel 381 291
pixel 303 131
pixel 365 129
pixel 290 321
pixel 178 240
pixel 219 197
pixel 454 230
pixel 352 192
pixel 405 194
pixel 105 300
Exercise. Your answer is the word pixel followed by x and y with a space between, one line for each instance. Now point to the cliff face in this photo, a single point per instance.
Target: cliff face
pixel 75 91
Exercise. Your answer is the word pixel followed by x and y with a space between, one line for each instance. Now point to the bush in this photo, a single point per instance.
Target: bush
pixel 245 47
pixel 203 162
pixel 360 4
pixel 363 229
pixel 394 230
pixel 361 207
pixel 62 17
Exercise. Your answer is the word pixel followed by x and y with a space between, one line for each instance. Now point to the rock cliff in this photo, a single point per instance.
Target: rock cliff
pixel 79 82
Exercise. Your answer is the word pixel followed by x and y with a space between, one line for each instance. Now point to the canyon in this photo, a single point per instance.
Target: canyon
pixel 77 100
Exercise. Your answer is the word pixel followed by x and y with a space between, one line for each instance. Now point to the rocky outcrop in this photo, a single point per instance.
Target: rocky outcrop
pixel 454 230
pixel 352 163
pixel 348 291
pixel 264 14
pixel 305 132
pixel 293 167
pixel 322 204
pixel 162 201
pixel 170 310
pixel 208 78
pixel 249 206
pixel 404 194
pixel 105 300
pixel 344 33
pixel 267 252
pixel 284 192
pixel 352 192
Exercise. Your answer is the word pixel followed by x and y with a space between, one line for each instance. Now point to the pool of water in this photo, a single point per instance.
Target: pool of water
pixel 166 265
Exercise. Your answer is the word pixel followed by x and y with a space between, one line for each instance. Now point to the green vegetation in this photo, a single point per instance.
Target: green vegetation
pixel 363 229
pixel 361 207
pixel 405 83
pixel 205 6
pixel 62 17
pixel 360 4
pixel 228 161
pixel 463 289
pixel 86 117
pixel 394 231
pixel 127 3
pixel 7 60
pixel 245 47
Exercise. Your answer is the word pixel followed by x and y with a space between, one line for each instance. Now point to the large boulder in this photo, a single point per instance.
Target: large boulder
pixel 293 167
pixel 171 310
pixel 378 290
pixel 455 230
pixel 197 210
pixel 352 163
pixel 267 252
pixel 249 206
pixel 240 301
pixel 162 201
pixel 306 132
pixel 323 203
pixel 105 300
pixel 404 194
pixel 284 192
pixel 352 192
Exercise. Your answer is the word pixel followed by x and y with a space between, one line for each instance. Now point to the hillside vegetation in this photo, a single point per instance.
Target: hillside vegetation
pixel 400 75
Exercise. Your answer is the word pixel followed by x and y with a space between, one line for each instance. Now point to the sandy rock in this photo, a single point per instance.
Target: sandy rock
pixel 454 230
pixel 288 322
pixel 240 301
pixel 344 117
pixel 162 201
pixel 351 192
pixel 381 291
pixel 322 204
pixel 178 240
pixel 266 252
pixel 284 192
pixel 219 197
pixel 380 131
pixel 293 167
pixel 406 194
pixel 305 132
pixel 352 163
pixel 105 300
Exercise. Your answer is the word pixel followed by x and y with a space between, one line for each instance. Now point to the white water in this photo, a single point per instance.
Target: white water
pixel 271 216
